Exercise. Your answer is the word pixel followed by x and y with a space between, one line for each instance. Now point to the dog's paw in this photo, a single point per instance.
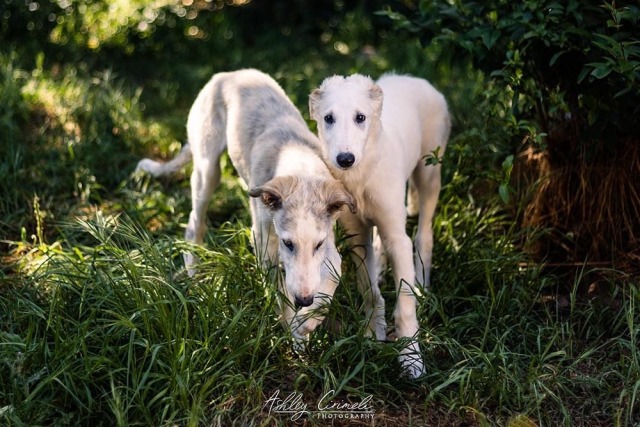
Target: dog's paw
pixel 411 361
pixel 190 263
pixel 300 343
pixel 376 330
pixel 302 324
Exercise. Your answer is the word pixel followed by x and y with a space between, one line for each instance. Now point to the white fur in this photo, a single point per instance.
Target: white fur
pixel 388 128
pixel 294 197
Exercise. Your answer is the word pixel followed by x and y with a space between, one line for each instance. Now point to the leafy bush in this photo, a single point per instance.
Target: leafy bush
pixel 564 81
pixel 571 61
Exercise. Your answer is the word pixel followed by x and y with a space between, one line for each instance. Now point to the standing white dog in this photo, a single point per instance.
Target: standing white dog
pixel 374 147
pixel 295 199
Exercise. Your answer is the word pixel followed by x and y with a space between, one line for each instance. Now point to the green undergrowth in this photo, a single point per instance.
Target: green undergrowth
pixel 105 326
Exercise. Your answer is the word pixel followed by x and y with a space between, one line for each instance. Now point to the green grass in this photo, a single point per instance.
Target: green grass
pixel 104 326
pixel 99 324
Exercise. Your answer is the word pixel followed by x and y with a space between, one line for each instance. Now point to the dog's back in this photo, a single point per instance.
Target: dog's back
pixel 256 118
pixel 414 110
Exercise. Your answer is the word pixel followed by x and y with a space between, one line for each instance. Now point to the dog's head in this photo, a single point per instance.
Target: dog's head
pixel 347 110
pixel 304 210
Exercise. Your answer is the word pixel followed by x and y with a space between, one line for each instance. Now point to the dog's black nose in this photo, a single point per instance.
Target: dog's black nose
pixel 304 301
pixel 345 160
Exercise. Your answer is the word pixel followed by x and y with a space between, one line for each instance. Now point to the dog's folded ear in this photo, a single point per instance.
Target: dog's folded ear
pixel 316 95
pixel 270 198
pixel 274 191
pixel 314 100
pixel 375 92
pixel 337 196
pixel 376 95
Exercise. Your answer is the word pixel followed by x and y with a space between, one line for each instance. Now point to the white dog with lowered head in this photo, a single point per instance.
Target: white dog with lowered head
pixel 295 199
pixel 375 136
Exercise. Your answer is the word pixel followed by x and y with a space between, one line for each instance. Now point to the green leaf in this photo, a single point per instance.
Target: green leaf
pixel 555 57
pixel 601 71
pixel 489 38
pixel 433 158
pixel 507 164
pixel 583 74
pixel 503 190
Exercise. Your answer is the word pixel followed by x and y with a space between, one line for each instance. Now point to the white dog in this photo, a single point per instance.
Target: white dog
pixel 374 147
pixel 295 199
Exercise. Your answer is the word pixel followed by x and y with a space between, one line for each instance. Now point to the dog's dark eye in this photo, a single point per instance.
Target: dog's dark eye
pixel 288 243
pixel 360 118
pixel 328 119
pixel 318 246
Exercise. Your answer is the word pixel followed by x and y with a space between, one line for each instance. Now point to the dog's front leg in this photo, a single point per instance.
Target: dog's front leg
pixel 290 319
pixel 399 248
pixel 367 269
pixel 307 319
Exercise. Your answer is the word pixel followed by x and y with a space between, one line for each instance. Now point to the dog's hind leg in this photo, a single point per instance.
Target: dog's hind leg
pixel 204 180
pixel 207 145
pixel 426 179
pixel 427 182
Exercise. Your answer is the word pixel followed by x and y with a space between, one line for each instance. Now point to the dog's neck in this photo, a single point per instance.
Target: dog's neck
pixel 300 160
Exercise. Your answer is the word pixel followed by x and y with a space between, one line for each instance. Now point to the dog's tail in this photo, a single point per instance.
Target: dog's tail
pixel 158 168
